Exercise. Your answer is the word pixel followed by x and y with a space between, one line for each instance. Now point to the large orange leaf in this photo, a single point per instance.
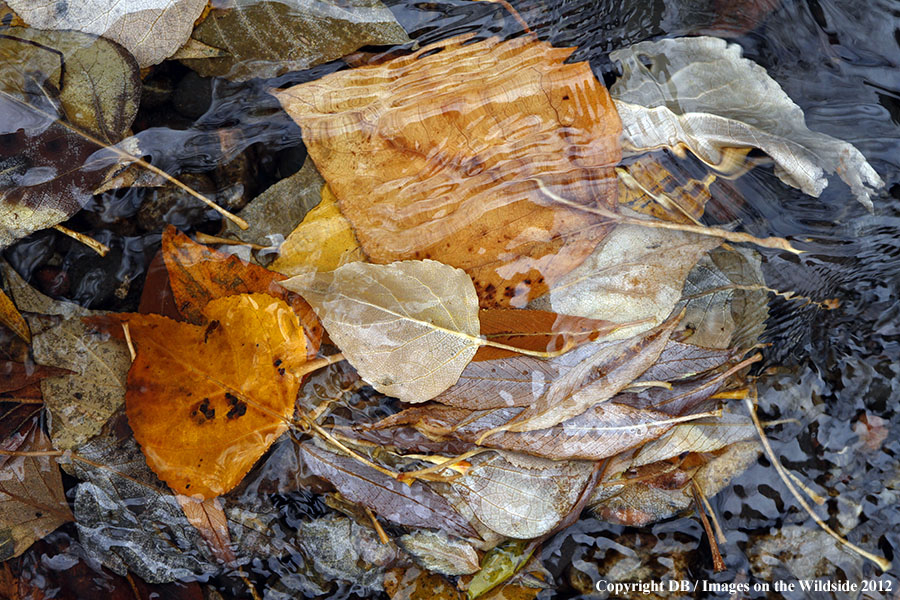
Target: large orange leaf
pixel 205 402
pixel 199 274
pixel 438 155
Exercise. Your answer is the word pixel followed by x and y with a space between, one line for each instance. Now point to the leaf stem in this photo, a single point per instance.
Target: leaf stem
pixel 98 247
pixel 318 363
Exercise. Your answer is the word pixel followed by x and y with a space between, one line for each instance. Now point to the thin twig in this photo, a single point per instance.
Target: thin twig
pixel 718 563
pixel 205 238
pixel 128 340
pixel 98 247
pixel 382 535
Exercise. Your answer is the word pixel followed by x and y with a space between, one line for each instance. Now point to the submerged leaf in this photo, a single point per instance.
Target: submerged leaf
pixel 409 328
pixel 306 33
pixel 32 500
pixel 152 30
pixel 206 402
pixel 413 504
pixel 521 496
pixel 440 553
pixel 635 274
pixel 701 94
pixel 439 155
pixel 199 274
pixel 702 435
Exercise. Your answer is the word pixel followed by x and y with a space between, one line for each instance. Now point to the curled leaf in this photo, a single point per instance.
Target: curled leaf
pixel 409 328
pixel 699 93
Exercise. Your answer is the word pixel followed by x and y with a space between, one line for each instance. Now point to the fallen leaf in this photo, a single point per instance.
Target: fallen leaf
pixel 414 583
pixel 323 241
pixel 635 274
pixel 682 361
pixel 157 296
pixel 208 517
pixel 152 30
pixel 273 214
pixel 521 496
pixel 11 317
pixel 699 93
pixel 702 435
pixel 199 274
pixel 415 505
pixel 656 185
pixel 601 431
pixel 439 553
pixel 15 375
pixel 32 500
pixel 500 564
pixel 415 150
pixel 409 328
pixel 607 371
pixel 306 33
pixel 206 402
pixel 536 330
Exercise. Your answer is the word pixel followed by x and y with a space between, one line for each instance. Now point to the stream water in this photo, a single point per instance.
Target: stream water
pixel 831 377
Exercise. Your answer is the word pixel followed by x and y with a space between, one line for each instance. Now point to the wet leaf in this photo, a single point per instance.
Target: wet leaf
pixel 414 583
pixel 273 214
pixel 702 435
pixel 199 274
pixel 409 328
pixel 206 402
pixel 439 553
pixel 682 361
pixel 10 317
pixel 601 431
pixel 699 93
pixel 599 377
pixel 128 519
pixel 323 241
pixel 536 330
pixel 413 504
pixel 521 496
pixel 415 150
pixel 32 500
pixel 725 300
pixel 307 33
pixel 500 564
pixel 15 375
pixel 208 517
pixel 152 30
pixel 635 274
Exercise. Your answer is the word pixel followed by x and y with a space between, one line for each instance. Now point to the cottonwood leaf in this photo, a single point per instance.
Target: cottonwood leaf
pixel 199 274
pixel 524 499
pixel 409 328
pixel 414 504
pixel 701 435
pixel 435 155
pixel 602 430
pixel 699 93
pixel 273 214
pixel 152 30
pixel 682 361
pixel 597 378
pixel 32 500
pixel 206 402
pixel 725 300
pixel 323 241
pixel 635 274
pixel 15 375
pixel 439 553
pixel 268 39
pixel 208 518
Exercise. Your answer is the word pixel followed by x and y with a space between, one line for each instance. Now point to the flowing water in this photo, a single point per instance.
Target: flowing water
pixel 831 376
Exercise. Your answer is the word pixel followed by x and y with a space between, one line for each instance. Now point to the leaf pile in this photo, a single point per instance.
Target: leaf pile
pixel 475 323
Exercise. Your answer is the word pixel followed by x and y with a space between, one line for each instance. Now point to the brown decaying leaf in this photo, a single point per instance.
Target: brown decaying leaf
pixel 435 155
pixel 208 517
pixel 206 402
pixel 199 274
pixel 414 504
pixel 607 371
pixel 680 361
pixel 32 500
pixel 10 317
pixel 157 296
pixel 535 330
pixel 599 432
pixel 15 376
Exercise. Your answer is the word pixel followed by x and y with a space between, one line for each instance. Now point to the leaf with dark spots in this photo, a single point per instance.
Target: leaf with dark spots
pixel 601 431
pixel 32 500
pixel 199 274
pixel 414 505
pixel 535 330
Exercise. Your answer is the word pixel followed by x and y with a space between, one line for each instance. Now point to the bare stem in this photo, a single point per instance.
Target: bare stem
pixel 98 247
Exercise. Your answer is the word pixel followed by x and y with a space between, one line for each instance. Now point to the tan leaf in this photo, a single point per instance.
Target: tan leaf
pixel 409 328
pixel 436 155
pixel 208 517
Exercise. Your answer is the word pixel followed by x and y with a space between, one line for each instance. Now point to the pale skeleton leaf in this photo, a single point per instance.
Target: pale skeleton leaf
pixel 701 94
pixel 409 328
pixel 152 30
